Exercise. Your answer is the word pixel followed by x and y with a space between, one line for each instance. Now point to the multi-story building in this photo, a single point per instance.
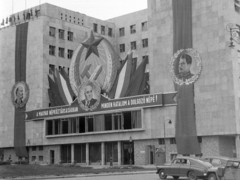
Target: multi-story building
pixel 54 33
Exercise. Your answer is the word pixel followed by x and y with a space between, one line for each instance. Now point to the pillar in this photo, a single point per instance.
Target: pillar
pixel 87 153
pixel 103 153
pixel 119 153
pixel 237 142
pixel 72 153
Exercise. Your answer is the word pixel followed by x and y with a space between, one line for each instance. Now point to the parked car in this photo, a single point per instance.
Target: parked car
pixel 228 168
pixel 190 167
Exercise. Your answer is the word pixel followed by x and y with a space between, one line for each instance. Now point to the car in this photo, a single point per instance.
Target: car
pixel 191 167
pixel 228 168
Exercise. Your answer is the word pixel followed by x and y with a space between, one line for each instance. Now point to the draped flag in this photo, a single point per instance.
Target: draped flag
pixel 54 95
pixel 20 75
pixel 186 133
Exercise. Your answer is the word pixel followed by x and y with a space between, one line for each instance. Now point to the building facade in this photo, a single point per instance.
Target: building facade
pixel 54 34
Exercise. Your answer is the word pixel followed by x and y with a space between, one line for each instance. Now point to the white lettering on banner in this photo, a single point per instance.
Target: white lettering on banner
pixel 58 111
pixel 130 102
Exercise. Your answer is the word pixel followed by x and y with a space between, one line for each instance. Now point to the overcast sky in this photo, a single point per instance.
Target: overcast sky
pixel 101 9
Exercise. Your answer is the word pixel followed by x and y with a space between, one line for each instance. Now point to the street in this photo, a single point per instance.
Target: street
pixel 151 176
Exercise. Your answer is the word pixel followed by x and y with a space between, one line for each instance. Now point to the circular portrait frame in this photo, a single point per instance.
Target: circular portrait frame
pixel 25 95
pixel 195 69
pixel 95 99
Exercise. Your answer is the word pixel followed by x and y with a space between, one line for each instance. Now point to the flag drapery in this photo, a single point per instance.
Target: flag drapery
pixel 20 75
pixel 186 133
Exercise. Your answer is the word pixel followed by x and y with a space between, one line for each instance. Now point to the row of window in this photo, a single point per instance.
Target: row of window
pixel 61 52
pixel 161 141
pixel 103 30
pixel 133 45
pixel 103 122
pixel 133 29
pixel 70 19
pixel 34 148
pixel 34 158
pixel 61 33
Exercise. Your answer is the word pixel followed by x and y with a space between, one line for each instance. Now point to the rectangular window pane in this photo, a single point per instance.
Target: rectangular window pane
pixel 70 36
pixel 133 29
pixel 133 45
pixel 52 31
pixel 61 52
pixel 61 34
pixel 40 158
pixel 110 32
pixel 121 32
pixel 52 50
pixel 145 42
pixel 95 27
pixel 144 26
pixel 103 30
pixel 70 53
pixel 122 47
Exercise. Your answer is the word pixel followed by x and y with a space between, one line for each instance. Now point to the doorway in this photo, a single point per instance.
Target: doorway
pixel 52 160
pixel 127 153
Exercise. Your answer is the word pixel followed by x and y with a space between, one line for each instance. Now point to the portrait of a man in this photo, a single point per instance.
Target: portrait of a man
pixel 88 93
pixel 184 66
pixel 19 95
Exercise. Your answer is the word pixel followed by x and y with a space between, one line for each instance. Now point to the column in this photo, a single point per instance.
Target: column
pixel 103 153
pixel 87 153
pixel 237 142
pixel 119 153
pixel 72 153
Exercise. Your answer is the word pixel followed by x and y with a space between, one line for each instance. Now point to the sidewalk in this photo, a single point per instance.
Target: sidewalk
pixel 151 169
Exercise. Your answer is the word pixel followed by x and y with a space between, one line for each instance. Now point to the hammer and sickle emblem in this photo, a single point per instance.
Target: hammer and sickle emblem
pixel 95 73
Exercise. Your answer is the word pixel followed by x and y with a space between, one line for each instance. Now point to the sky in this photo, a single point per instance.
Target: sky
pixel 101 9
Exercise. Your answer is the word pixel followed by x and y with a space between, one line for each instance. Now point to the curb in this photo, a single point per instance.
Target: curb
pixel 83 175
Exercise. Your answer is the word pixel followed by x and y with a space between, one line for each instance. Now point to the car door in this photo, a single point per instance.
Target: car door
pixel 184 167
pixel 173 168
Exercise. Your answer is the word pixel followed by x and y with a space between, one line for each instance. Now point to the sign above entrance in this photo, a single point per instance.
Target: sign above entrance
pixel 105 104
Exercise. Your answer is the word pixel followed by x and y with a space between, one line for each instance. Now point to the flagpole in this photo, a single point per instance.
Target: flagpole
pixel 12 6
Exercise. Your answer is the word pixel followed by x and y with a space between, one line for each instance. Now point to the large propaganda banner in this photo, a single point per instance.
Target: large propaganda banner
pixel 105 104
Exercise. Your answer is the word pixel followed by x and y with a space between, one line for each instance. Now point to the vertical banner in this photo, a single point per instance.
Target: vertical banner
pixel 20 76
pixel 186 133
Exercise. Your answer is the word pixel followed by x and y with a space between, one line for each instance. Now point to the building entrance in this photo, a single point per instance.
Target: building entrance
pixel 127 153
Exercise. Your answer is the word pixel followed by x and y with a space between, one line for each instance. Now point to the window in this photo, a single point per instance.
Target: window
pixel 33 158
pixel 134 60
pixel 121 32
pixel 103 30
pixel 133 29
pixel 70 53
pixel 116 123
pixel 145 58
pixel 145 42
pixel 61 34
pixel 34 148
pixel 40 158
pixel 52 31
pixel 51 69
pixel 40 148
pixel 122 47
pixel 199 139
pixel 61 52
pixel 172 141
pixel 70 36
pixel 52 50
pixel 94 27
pixel 133 45
pixel 144 26
pixel 161 141
pixel 110 32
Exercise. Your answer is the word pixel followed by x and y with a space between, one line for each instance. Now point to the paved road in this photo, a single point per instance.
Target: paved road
pixel 151 176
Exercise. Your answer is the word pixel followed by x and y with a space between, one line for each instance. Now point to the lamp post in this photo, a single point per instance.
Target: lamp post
pixel 164 136
pixel 130 150
pixel 234 33
pixel 28 144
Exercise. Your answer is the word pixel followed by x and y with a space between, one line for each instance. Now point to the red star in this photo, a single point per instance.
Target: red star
pixel 91 44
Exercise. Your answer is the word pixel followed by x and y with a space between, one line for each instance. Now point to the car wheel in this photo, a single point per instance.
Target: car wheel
pixel 175 177
pixel 192 175
pixel 162 174
pixel 212 177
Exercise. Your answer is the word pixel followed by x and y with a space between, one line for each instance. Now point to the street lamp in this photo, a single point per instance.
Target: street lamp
pixel 234 33
pixel 130 150
pixel 164 136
